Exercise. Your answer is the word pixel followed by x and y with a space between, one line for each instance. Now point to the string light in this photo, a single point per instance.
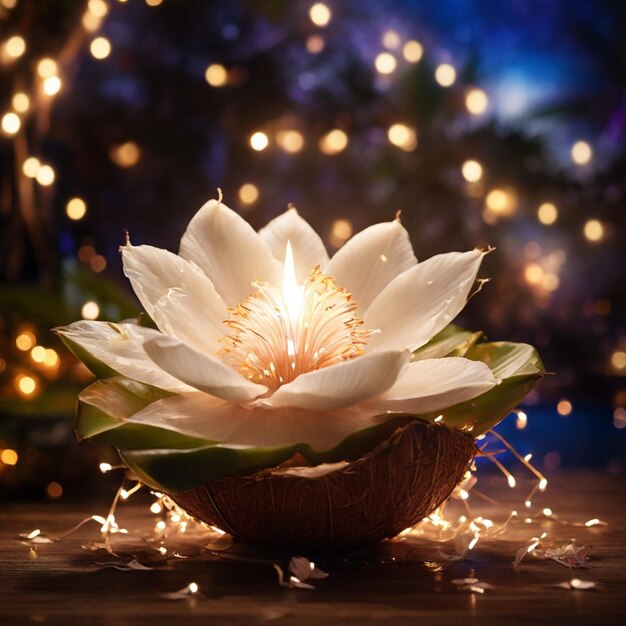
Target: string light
pixel 547 213
pixel 476 101
pixel 564 407
pixel 472 171
pixel 9 457
pixel 533 273
pixel 20 102
pixel 315 44
pixel 618 360
pixel 259 141
pixel 76 209
pixel 25 341
pixel 90 310
pixel 581 153
pixel 46 68
pixel 412 51
pixel 248 193
pixel 126 154
pixel 320 14
pixel 154 3
pixel 216 75
pixel 98 7
pixel 54 490
pixel 290 140
pixel 501 203
pixel 45 175
pixel 593 230
pixel 91 22
pixel 11 123
pixel 52 85
pixel 38 354
pixel 333 142
pixel 51 358
pixel 26 385
pixel 550 282
pixel 445 75
pixel 341 230
pixel 385 63
pixel 402 136
pixel 15 46
pixel 391 39
pixel 8 4
pixel 100 48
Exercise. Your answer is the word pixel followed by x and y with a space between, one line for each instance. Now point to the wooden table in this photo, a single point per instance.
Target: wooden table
pixel 58 583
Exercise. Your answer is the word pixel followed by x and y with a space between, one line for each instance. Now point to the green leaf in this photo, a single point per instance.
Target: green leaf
pixel 98 368
pixel 451 341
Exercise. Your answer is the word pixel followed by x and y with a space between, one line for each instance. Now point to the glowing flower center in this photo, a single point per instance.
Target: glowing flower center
pixel 278 335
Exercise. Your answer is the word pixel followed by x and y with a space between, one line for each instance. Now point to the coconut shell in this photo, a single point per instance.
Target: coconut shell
pixel 373 498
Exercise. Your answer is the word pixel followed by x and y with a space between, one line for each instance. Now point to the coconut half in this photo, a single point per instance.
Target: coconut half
pixel 344 505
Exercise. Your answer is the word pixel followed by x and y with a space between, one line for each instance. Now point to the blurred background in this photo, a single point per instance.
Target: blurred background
pixel 496 123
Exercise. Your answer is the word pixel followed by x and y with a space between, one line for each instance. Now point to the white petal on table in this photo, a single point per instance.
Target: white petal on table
pixel 421 301
pixel 308 248
pixel 201 415
pixel 436 384
pixel 343 385
pixel 120 346
pixel 369 261
pixel 201 371
pixel 229 252
pixel 177 295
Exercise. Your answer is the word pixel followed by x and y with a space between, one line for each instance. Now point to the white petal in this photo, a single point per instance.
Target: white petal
pixel 229 252
pixel 369 261
pixel 177 295
pixel 436 384
pixel 421 301
pixel 120 346
pixel 201 371
pixel 200 415
pixel 342 385
pixel 308 248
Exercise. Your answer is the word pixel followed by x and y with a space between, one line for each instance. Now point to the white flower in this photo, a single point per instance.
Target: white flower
pixel 265 341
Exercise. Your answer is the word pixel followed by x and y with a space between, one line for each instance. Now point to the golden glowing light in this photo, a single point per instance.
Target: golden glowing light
pixel 320 14
pixel 90 310
pixel 259 141
pixel 155 508
pixel 402 136
pixel 26 385
pixel 100 48
pixel 98 263
pixel 618 360
pixel 45 176
pixel 154 3
pixel 476 101
pixel 385 63
pixel 547 213
pixel 126 154
pixel 315 44
pixel 216 75
pixel 501 202
pixel 98 7
pixel 76 209
pixel 445 75
pixel 248 193
pixel 550 282
pixel 38 354
pixel 391 39
pixel 8 4
pixel 11 123
pixel 581 153
pixel 25 341
pixel 46 68
pixel 290 140
pixel 522 420
pixel 20 102
pixel 593 230
pixel 564 407
pixel 54 490
pixel 31 166
pixel 472 171
pixel 9 457
pixel 413 51
pixel 52 85
pixel 341 230
pixel 15 46
pixel 91 22
pixel 333 142
pixel 533 273
pixel 51 358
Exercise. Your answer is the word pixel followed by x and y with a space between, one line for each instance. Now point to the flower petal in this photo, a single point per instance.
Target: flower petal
pixel 201 371
pixel 177 295
pixel 120 347
pixel 229 252
pixel 421 301
pixel 369 261
pixel 201 415
pixel 342 385
pixel 308 248
pixel 436 384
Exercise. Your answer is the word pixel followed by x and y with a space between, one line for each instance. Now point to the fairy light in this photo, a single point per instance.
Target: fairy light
pixel 547 512
pixel 54 490
pixel 412 51
pixel 155 508
pixel 154 3
pixel 521 421
pixel 38 354
pixel 592 522
pixel 45 175
pixel 125 155
pixel 547 213
pixel 51 358
pixel 91 22
pixel 46 68
pixel 543 483
pixel 11 123
pixel 20 102
pixel 533 273
pixel 193 587
pixel 385 63
pixel 581 153
pixel 445 75
pixel 550 282
pixel 472 171
pixel 100 48
pixel 52 85
pixel 33 534
pixel 315 44
pixel 216 75
pixel 341 230
pixel 521 459
pixel 333 142
pixel 98 263
pixel 25 341
pixel 501 202
pixel 90 310
pixel 26 385
pixel 259 141
pixel 593 230
pixel 290 140
pixel 98 7
pixel 391 39
pixel 105 467
pixel 476 101
pixel 9 457
pixel 15 46
pixel 248 193
pixel 31 166
pixel 320 14
pixel 564 407
pixel 402 136
pixel 160 525
pixel 618 360
pixel 76 209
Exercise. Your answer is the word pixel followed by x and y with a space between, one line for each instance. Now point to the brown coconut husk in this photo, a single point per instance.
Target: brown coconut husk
pixel 385 491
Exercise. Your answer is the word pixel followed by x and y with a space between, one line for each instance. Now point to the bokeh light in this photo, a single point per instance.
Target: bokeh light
pixel 402 136
pixel 547 213
pixel 320 14
pixel 472 171
pixel 333 142
pixel 100 48
pixel 216 75
pixel 593 230
pixel 76 209
pixel 476 101
pixel 385 63
pixel 413 51
pixel 11 123
pixel 259 141
pixel 445 75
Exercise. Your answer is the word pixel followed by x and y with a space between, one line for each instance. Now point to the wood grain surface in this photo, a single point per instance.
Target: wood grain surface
pixel 59 583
